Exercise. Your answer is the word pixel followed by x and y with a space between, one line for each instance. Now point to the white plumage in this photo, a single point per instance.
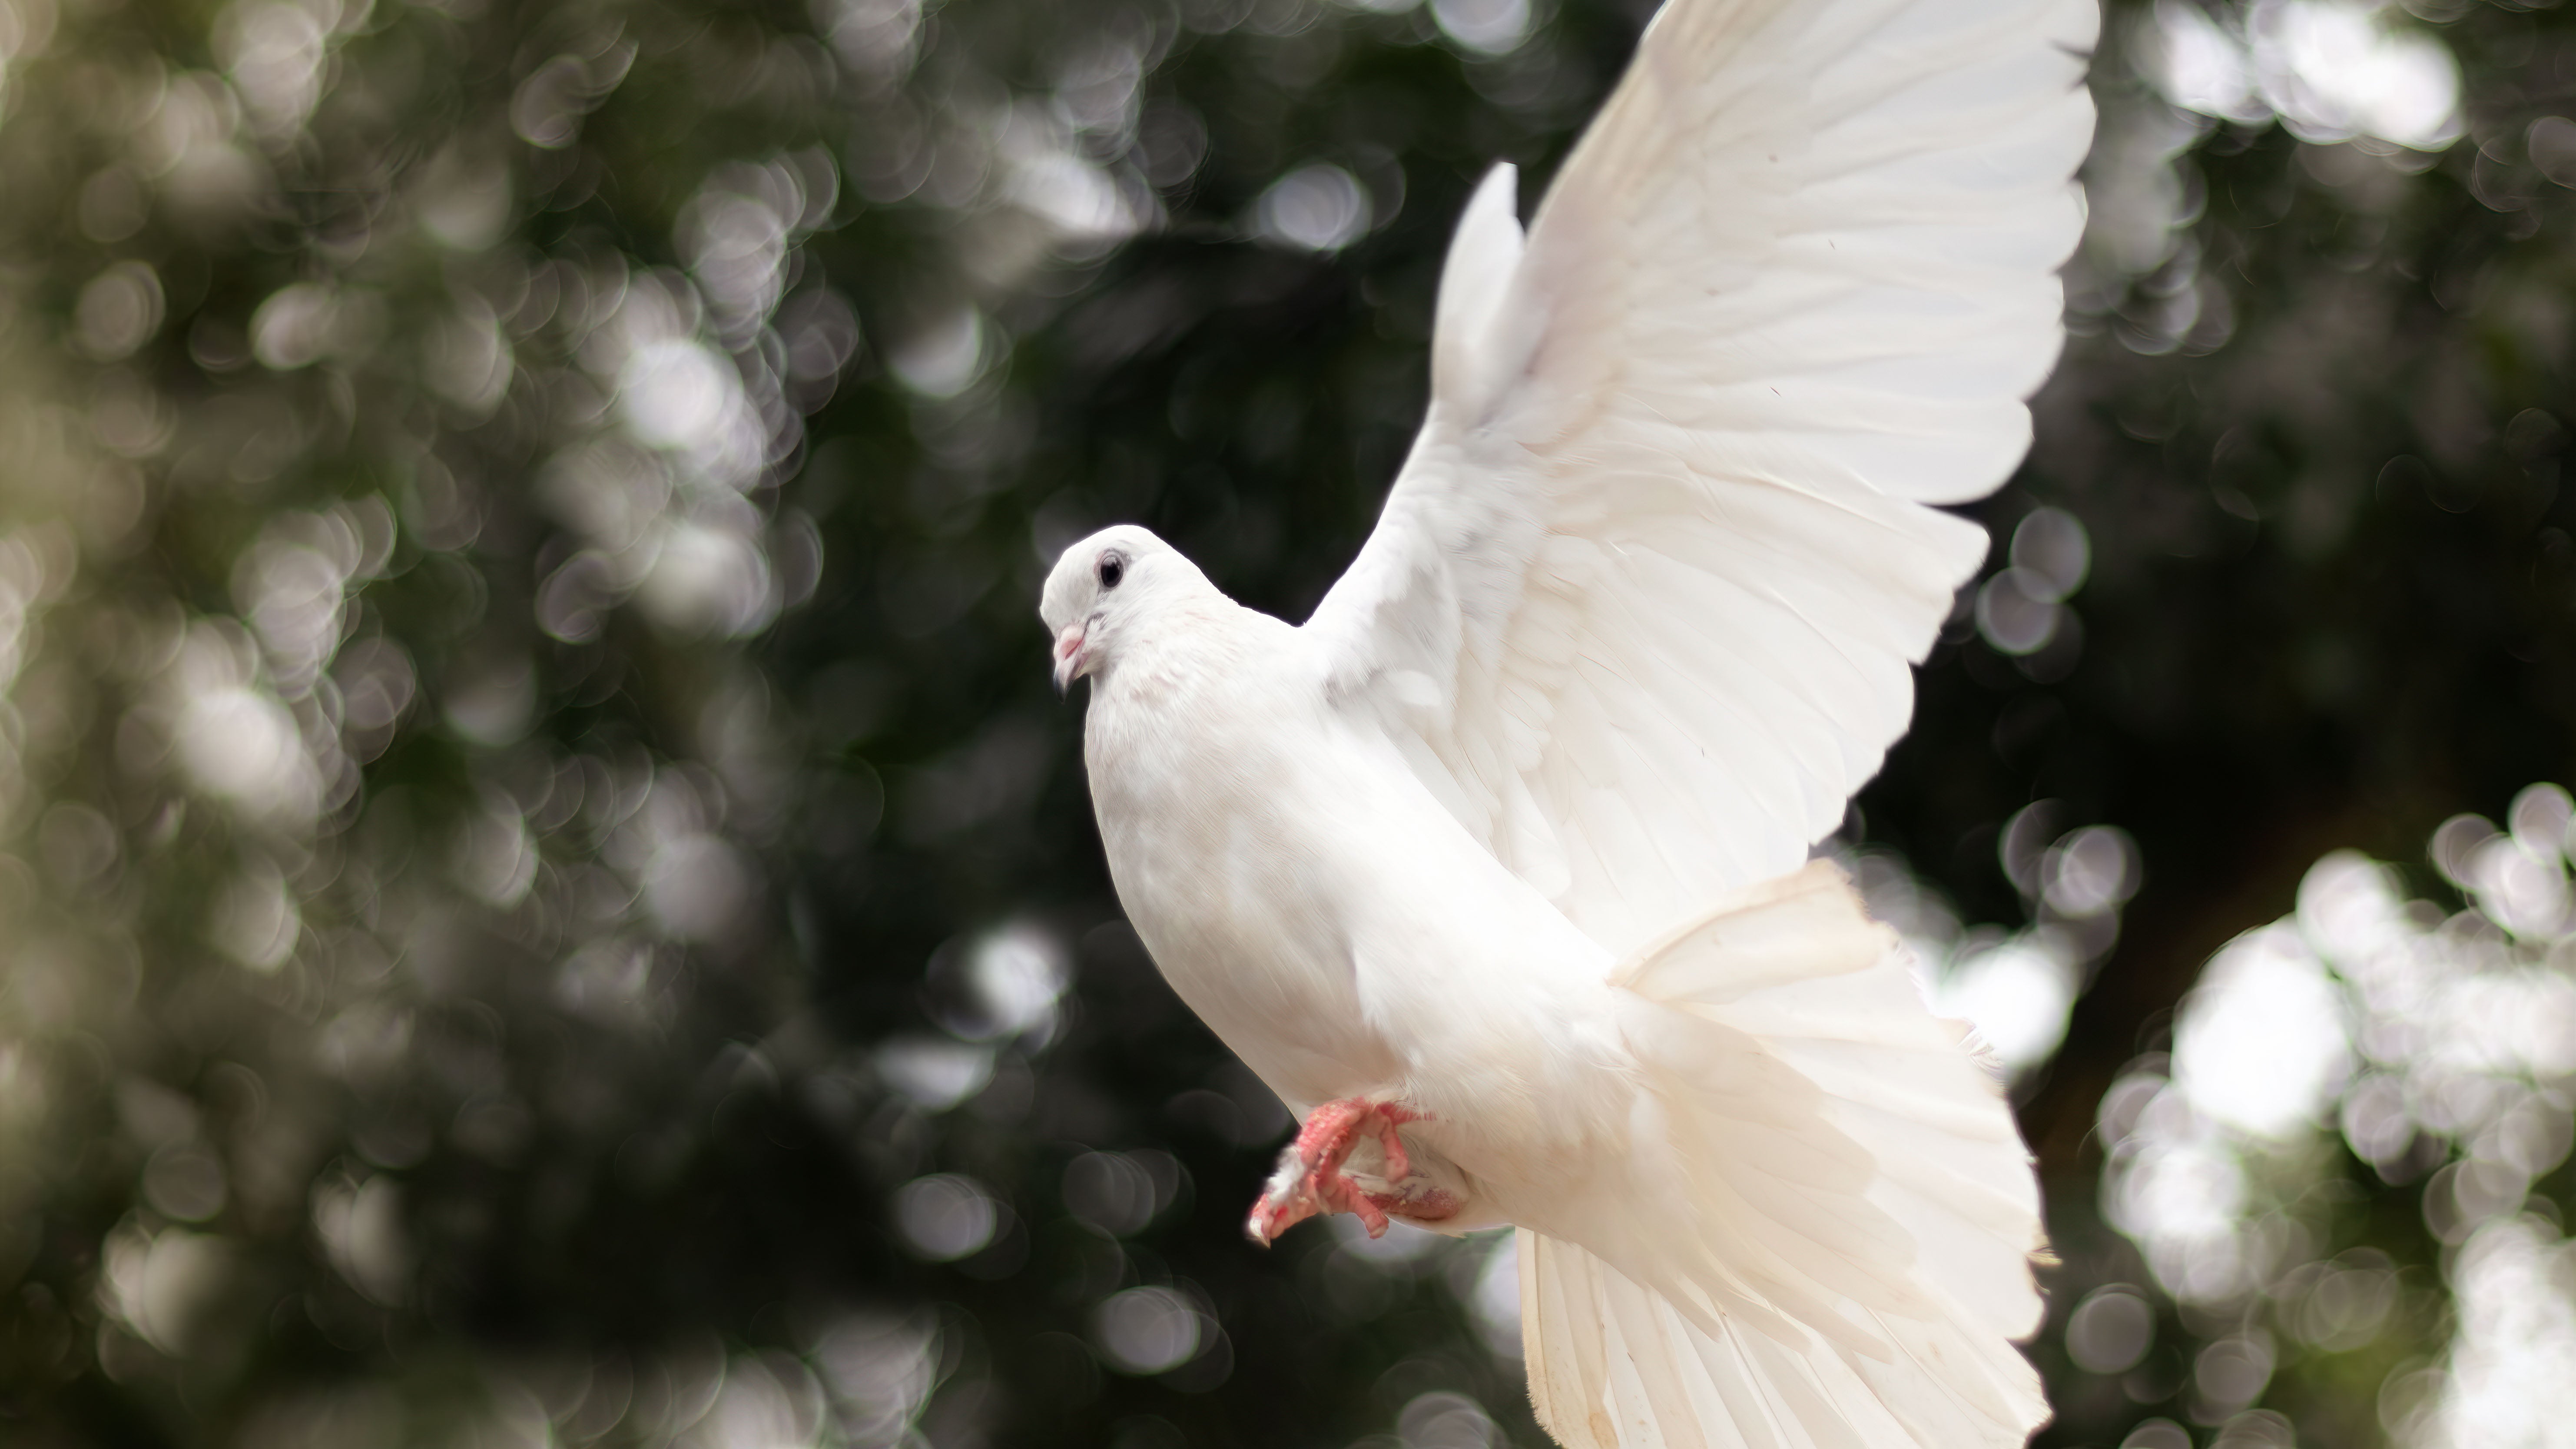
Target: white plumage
pixel 1493 870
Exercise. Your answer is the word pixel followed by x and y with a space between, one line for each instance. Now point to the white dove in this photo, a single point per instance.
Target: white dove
pixel 1495 870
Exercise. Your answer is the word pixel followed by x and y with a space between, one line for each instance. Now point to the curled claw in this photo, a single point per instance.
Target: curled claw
pixel 1309 1179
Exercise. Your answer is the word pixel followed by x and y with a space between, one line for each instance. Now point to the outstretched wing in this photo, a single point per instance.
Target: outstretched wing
pixel 1643 602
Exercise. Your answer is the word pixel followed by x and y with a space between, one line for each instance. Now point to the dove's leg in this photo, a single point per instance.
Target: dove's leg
pixel 1310 1180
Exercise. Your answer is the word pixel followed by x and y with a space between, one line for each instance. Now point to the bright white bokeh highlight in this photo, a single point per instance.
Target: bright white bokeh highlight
pixel 2331 70
pixel 2017 994
pixel 2512 1371
pixel 2261 1046
pixel 673 393
pixel 2440 1048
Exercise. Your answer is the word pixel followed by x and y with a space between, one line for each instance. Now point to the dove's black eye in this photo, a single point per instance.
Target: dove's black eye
pixel 1112 568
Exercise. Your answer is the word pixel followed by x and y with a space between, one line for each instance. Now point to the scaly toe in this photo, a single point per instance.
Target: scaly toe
pixel 1344 1195
pixel 1308 1179
pixel 1289 1197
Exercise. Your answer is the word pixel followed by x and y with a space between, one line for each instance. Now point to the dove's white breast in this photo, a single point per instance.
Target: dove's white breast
pixel 1311 900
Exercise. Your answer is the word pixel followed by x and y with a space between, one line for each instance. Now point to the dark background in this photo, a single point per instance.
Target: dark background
pixel 537 831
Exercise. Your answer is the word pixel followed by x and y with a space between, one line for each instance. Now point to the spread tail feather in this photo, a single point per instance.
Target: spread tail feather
pixel 1825 1237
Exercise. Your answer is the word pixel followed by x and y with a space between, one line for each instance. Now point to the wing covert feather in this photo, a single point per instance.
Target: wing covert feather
pixel 1643 602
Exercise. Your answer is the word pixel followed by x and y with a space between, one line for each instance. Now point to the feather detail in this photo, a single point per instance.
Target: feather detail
pixel 1473 353
pixel 1666 533
pixel 1825 1237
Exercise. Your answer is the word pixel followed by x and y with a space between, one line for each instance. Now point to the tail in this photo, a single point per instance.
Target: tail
pixel 1826 1238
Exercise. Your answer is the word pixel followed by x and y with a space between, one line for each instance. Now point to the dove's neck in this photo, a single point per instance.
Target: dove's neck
pixel 1188 643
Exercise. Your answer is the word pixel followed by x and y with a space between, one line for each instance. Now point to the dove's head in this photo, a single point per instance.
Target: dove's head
pixel 1104 590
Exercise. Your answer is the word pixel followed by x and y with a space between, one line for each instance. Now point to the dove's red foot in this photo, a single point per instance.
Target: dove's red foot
pixel 1310 1179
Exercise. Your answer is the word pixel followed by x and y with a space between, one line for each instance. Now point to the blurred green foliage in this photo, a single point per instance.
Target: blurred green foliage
pixel 545 895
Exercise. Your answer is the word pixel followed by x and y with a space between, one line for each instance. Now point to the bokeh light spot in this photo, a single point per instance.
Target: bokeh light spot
pixel 1486 27
pixel 946 1217
pixel 2262 1043
pixel 1146 1330
pixel 119 310
pixel 2111 1330
pixel 1318 207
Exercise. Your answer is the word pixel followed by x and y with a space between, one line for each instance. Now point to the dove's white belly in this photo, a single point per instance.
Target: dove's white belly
pixel 1320 910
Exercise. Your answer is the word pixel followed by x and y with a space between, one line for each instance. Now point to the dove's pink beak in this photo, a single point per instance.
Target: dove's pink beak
pixel 1069 659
